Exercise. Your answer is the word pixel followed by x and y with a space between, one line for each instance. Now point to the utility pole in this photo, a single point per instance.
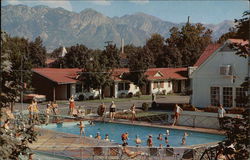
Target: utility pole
pixel 22 81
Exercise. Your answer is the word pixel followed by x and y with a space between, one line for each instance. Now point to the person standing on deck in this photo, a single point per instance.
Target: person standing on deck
pixel 81 126
pixel 47 113
pixel 221 114
pixel 178 111
pixel 133 113
pixel 112 110
pixel 71 105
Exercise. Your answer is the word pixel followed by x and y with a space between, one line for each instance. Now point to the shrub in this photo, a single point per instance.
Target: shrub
pixel 91 97
pixel 213 109
pixel 130 95
pixel 138 94
pixel 189 107
pixel 236 110
pixel 154 105
pixel 81 97
pixel 164 92
pixel 145 106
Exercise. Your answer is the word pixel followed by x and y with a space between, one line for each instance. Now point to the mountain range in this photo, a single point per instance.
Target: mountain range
pixel 60 27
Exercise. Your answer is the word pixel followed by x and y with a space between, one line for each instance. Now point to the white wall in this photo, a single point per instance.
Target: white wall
pixel 132 88
pixel 208 75
pixel 167 88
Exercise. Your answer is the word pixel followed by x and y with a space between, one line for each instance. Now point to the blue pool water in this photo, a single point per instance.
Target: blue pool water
pixel 115 130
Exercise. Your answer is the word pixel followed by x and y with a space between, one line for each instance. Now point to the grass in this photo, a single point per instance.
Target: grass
pixel 141 114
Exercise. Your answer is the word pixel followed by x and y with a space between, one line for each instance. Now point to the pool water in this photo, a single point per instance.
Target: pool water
pixel 115 130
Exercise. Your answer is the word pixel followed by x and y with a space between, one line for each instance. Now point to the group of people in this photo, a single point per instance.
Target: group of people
pixel 52 108
pixel 112 111
pixel 150 143
pixel 33 111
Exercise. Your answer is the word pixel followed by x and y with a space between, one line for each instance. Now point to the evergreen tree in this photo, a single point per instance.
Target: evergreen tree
pixel 37 53
pixel 139 62
pixel 156 46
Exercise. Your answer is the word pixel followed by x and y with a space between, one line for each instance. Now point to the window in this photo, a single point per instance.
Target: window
pixel 120 86
pixel 126 86
pixel 241 98
pixel 155 85
pixel 226 70
pixel 79 87
pixel 169 84
pixel 215 96
pixel 227 96
pixel 123 86
pixel 161 84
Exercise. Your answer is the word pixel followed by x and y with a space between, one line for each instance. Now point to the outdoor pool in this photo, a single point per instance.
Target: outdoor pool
pixel 114 130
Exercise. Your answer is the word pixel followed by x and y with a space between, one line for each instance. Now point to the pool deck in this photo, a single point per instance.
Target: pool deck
pixel 69 145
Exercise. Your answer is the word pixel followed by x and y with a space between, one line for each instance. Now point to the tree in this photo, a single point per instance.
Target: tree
pixel 56 52
pixel 96 73
pixel 111 53
pixel 156 46
pixel 76 56
pixel 139 62
pixel 14 142
pixel 190 41
pixel 37 53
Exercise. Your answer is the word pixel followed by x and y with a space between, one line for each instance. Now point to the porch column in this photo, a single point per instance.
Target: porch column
pixel 116 90
pixel 54 93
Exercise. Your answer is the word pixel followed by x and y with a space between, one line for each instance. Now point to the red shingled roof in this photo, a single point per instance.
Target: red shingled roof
pixel 166 73
pixel 68 75
pixel 211 48
pixel 58 75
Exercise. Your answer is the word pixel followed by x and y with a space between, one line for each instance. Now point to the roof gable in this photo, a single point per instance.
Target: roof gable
pixel 158 74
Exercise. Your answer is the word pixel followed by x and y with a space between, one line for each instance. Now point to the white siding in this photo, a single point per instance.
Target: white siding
pixel 167 87
pixel 208 75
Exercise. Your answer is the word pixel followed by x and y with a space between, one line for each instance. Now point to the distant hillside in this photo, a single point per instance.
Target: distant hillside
pixel 58 26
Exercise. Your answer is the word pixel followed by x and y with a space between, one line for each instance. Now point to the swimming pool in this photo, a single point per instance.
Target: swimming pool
pixel 114 130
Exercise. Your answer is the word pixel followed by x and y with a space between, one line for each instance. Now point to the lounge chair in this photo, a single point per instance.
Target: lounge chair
pixel 188 154
pixel 98 153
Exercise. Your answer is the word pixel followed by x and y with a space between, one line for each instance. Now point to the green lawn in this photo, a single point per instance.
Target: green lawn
pixel 141 114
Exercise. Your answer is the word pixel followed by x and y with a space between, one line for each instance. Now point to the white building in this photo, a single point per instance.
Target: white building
pixel 217 76
pixel 160 81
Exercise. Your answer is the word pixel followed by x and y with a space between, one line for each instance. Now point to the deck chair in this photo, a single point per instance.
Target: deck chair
pixel 114 153
pixel 188 154
pixel 130 156
pixel 169 152
pixel 98 153
pixel 153 151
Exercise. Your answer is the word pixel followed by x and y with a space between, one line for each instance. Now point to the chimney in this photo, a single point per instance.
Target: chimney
pixel 122 45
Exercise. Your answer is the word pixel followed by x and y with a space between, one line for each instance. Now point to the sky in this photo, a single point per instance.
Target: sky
pixel 203 11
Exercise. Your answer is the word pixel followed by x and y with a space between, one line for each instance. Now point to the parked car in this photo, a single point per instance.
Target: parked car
pixel 29 96
pixel 86 95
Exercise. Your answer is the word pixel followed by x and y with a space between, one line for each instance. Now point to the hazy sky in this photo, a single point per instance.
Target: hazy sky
pixel 204 11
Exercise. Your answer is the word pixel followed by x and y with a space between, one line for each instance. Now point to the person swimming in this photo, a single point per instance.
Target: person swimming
pixel 107 138
pixel 183 141
pixel 137 140
pixel 166 140
pixel 98 136
pixel 167 132
pixel 159 137
pixel 150 141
